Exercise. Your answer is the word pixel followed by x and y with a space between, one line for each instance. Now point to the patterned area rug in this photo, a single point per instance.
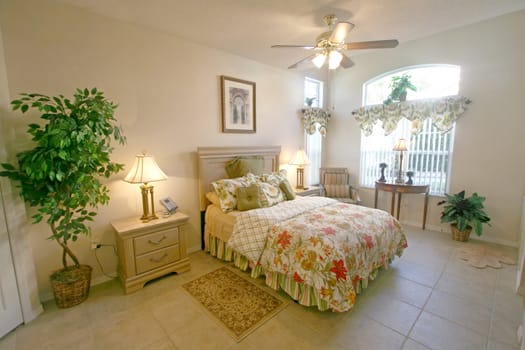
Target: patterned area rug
pixel 483 256
pixel 237 303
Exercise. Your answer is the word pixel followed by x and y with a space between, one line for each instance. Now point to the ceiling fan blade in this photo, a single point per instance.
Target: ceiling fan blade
pixel 306 47
pixel 296 64
pixel 346 62
pixel 378 44
pixel 340 32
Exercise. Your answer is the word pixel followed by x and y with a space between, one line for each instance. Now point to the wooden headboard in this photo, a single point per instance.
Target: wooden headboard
pixel 213 159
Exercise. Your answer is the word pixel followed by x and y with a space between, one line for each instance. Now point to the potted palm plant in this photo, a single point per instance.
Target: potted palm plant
pixel 61 174
pixel 399 86
pixel 464 214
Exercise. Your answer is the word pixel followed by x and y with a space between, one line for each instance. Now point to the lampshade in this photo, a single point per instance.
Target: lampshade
pixel 300 158
pixel 318 60
pixel 145 170
pixel 334 59
pixel 401 145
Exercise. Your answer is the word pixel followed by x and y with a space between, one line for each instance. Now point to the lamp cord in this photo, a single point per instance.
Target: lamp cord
pixel 100 264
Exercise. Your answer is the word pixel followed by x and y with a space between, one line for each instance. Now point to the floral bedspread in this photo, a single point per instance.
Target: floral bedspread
pixel 333 248
pixel 252 227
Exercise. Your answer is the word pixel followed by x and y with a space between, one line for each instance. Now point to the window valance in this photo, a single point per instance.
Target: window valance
pixel 314 119
pixel 443 111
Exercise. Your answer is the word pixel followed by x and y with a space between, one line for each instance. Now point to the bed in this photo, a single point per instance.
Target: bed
pixel 319 251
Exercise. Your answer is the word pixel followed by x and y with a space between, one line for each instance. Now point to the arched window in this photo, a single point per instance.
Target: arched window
pixel 430 151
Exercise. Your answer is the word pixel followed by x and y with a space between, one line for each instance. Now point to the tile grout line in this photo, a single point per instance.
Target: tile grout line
pixel 426 302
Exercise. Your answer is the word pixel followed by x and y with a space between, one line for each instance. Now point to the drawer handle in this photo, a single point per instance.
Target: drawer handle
pixel 158 241
pixel 159 259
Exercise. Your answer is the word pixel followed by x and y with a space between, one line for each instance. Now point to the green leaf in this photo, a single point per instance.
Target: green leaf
pixel 8 166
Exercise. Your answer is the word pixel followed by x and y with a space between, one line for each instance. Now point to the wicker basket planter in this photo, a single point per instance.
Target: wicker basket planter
pixel 71 285
pixel 458 235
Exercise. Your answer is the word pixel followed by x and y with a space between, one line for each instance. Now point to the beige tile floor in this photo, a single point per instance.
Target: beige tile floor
pixel 428 299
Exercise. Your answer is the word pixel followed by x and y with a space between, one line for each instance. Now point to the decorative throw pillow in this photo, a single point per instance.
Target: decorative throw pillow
pixel 252 178
pixel 275 178
pixel 248 197
pixel 242 165
pixel 287 189
pixel 226 191
pixel 270 195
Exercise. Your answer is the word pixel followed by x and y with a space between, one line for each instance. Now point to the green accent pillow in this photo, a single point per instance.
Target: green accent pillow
pixel 287 189
pixel 248 197
pixel 240 166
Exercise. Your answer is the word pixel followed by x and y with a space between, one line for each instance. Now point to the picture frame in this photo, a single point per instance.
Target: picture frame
pixel 237 105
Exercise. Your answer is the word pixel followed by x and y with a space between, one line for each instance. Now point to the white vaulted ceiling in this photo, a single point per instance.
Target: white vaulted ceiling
pixel 249 27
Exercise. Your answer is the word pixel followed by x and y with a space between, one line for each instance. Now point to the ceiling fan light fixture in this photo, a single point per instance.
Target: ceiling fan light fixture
pixel 318 60
pixel 334 59
pixel 330 45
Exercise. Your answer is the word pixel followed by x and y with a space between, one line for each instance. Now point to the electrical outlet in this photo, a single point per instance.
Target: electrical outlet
pixel 95 245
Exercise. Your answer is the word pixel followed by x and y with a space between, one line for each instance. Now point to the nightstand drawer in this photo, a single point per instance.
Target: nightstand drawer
pixel 157 259
pixel 157 240
pixel 148 250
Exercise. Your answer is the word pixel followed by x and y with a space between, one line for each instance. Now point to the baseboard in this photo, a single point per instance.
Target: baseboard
pixel 472 236
pixel 30 315
pixel 194 249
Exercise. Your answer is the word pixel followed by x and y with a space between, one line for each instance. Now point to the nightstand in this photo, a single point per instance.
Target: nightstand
pixel 148 250
pixel 309 191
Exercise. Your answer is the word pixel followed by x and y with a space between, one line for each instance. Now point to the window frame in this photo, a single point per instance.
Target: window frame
pixel 364 173
pixel 314 143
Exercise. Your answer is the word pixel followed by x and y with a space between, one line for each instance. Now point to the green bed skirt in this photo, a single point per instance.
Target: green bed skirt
pixel 302 293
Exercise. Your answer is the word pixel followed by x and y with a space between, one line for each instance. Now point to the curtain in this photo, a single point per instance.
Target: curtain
pixel 315 119
pixel 443 112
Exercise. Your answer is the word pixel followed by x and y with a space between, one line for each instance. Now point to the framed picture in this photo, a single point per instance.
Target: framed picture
pixel 238 105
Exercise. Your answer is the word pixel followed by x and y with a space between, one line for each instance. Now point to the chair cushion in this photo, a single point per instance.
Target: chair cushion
pixel 347 200
pixel 335 178
pixel 337 191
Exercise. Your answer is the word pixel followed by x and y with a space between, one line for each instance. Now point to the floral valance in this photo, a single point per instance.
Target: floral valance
pixel 314 119
pixel 443 111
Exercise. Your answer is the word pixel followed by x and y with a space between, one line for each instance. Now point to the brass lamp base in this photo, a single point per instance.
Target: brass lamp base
pixel 399 179
pixel 300 178
pixel 146 215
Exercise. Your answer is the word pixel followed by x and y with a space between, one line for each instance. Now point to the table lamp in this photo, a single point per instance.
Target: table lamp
pixel 401 146
pixel 144 171
pixel 300 159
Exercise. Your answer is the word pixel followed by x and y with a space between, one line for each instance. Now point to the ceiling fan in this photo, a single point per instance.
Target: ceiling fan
pixel 329 45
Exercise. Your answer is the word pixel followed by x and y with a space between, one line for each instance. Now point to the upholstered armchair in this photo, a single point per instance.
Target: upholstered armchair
pixel 335 183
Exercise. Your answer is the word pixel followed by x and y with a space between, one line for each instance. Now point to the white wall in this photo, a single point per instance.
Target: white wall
pixel 489 142
pixel 168 93
pixel 13 218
